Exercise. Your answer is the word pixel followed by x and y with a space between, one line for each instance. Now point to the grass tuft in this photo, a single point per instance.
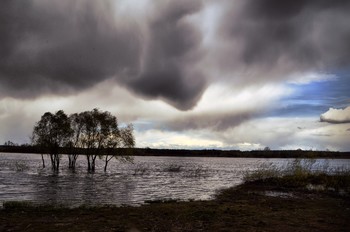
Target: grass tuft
pixel 17 205
pixel 197 172
pixel 161 201
pixel 302 174
pixel 173 168
pixel 140 170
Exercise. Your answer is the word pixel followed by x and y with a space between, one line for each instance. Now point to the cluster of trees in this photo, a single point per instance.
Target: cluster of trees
pixel 94 132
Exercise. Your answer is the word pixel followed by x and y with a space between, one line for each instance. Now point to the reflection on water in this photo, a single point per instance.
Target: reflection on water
pixel 149 178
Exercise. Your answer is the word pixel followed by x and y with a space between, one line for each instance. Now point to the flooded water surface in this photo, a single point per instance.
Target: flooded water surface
pixel 148 178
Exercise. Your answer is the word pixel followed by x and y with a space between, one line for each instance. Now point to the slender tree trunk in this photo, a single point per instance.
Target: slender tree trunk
pixel 42 158
pixel 107 159
pixel 93 164
pixel 57 162
pixel 75 160
pixel 70 165
pixel 72 160
pixel 53 163
pixel 89 164
pixel 106 163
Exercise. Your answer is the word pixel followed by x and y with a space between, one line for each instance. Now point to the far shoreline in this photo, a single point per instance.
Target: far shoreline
pixel 199 153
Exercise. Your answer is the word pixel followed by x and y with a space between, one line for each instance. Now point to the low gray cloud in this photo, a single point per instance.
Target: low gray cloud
pixel 213 121
pixel 336 115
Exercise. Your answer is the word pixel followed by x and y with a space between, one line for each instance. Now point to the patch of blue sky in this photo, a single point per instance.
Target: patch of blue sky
pixel 143 125
pixel 315 98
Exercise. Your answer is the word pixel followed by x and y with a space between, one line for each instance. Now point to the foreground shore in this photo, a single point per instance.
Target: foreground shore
pixel 261 205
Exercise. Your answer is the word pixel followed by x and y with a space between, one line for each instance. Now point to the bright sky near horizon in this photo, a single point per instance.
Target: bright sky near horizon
pixel 194 74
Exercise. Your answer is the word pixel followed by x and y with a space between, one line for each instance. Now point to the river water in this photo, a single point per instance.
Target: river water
pixel 22 178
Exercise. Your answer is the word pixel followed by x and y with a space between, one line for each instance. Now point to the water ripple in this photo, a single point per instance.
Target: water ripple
pixel 149 178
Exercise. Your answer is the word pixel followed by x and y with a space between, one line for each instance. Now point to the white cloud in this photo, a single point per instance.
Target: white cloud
pixel 224 97
pixel 276 133
pixel 173 140
pixel 307 78
pixel 336 115
pixel 287 133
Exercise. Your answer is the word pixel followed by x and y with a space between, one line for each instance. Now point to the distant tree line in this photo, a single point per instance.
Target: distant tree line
pixel 94 132
pixel 194 153
pixel 10 144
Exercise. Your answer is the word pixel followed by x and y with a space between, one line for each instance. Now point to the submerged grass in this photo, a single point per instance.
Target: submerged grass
pixel 140 170
pixel 197 172
pixel 18 166
pixel 173 168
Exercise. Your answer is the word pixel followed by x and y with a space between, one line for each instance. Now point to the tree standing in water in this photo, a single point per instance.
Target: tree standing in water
pixel 100 136
pixel 90 136
pixel 75 140
pixel 94 132
pixel 118 145
pixel 52 132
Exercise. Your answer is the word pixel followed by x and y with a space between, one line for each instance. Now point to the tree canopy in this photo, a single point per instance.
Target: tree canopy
pixel 95 131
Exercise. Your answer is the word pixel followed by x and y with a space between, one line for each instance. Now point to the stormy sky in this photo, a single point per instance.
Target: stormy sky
pixel 225 74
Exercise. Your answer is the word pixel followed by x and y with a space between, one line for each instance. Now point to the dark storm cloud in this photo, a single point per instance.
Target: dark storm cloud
pixel 272 39
pixel 171 49
pixel 67 46
pixel 61 46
